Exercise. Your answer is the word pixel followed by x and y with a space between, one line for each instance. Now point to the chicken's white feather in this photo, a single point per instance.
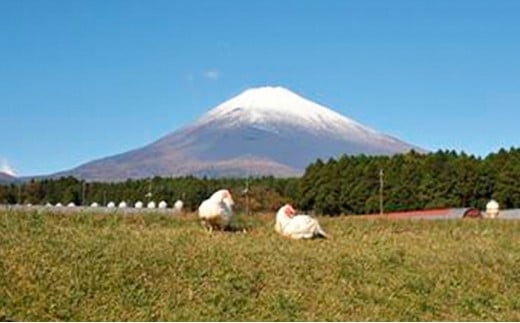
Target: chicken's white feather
pixel 217 209
pixel 300 226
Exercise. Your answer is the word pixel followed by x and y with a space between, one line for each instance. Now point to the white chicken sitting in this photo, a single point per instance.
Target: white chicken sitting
pixel 297 226
pixel 217 211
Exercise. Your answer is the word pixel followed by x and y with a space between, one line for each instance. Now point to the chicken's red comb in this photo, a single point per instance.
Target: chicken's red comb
pixel 289 210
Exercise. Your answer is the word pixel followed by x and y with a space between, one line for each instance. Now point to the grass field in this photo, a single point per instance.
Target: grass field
pixel 157 267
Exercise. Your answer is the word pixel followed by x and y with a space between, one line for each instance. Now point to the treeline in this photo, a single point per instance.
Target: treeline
pixel 411 181
pixel 348 185
pixel 257 194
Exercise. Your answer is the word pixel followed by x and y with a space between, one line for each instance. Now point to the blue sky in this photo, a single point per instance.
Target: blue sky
pixel 81 80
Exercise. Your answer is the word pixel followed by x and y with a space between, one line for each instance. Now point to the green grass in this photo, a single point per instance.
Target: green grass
pixel 87 267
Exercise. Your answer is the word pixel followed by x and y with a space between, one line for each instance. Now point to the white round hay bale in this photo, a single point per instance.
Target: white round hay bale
pixel 151 205
pixel 59 204
pixel 138 205
pixel 71 204
pixel 111 205
pixel 122 205
pixel 48 204
pixel 492 209
pixel 94 204
pixel 163 205
pixel 178 206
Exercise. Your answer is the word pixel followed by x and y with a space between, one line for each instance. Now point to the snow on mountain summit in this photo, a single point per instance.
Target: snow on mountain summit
pixel 268 107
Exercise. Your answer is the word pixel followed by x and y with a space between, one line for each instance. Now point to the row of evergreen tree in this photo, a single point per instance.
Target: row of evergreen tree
pixel 411 181
pixel 348 185
pixel 255 194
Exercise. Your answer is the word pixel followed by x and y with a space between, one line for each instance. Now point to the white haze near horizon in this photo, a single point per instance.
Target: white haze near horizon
pixel 6 168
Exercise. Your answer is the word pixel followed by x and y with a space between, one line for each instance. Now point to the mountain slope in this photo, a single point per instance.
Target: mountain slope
pixel 262 131
pixel 6 178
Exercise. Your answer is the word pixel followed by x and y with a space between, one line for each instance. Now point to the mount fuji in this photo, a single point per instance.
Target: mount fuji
pixel 262 131
pixel 6 177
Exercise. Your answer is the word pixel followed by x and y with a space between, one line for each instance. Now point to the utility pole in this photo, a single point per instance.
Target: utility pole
pixel 381 185
pixel 83 189
pixel 19 200
pixel 247 195
pixel 149 194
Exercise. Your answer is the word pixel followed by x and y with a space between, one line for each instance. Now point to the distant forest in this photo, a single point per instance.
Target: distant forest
pixel 348 185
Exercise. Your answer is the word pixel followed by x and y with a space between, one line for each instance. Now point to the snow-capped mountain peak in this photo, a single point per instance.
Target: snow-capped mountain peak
pixel 279 106
pixel 262 131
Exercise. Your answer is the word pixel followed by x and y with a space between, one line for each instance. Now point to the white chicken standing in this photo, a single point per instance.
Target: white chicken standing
pixel 217 211
pixel 297 226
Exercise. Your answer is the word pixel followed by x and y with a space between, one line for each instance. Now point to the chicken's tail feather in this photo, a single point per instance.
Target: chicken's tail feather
pixel 320 233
